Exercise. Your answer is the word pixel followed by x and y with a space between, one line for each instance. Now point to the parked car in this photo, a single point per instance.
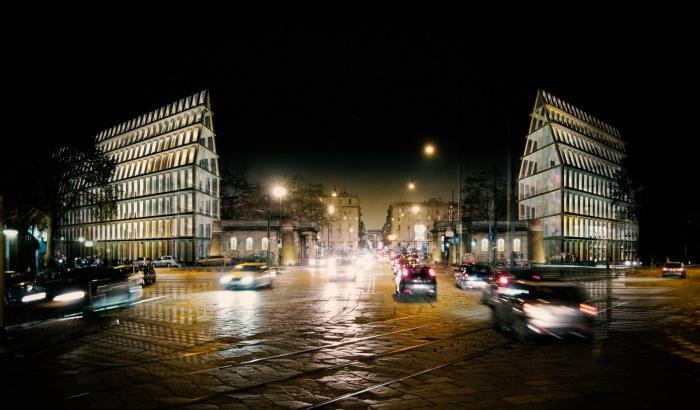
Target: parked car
pixel 472 276
pixel 213 261
pixel 673 269
pixel 249 276
pixel 167 261
pixel 140 261
pixel 534 307
pixel 95 288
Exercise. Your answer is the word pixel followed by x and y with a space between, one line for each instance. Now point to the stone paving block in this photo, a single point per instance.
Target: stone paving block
pixel 400 404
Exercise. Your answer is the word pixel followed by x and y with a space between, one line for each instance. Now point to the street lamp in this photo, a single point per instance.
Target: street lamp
pixel 411 186
pixel 331 211
pixel 429 151
pixel 277 192
pixel 9 234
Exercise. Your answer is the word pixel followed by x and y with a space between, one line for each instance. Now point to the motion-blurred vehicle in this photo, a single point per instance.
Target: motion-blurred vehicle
pixel 96 288
pixel 249 276
pixel 341 268
pixel 532 307
pixel 403 261
pixel 21 289
pixel 673 269
pixel 416 279
pixel 167 261
pixel 472 276
pixel 500 278
pixel 213 261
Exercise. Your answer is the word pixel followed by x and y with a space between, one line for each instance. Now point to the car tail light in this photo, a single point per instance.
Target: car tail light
pixel 503 280
pixel 588 309
pixel 431 272
pixel 536 277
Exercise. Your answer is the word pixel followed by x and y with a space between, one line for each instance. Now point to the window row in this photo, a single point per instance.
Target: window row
pixel 178 203
pixel 156 228
pixel 583 145
pixel 596 229
pixel 588 162
pixel 264 244
pixel 500 245
pixel 585 205
pixel 154 164
pixel 588 183
pixel 156 145
pixel 154 129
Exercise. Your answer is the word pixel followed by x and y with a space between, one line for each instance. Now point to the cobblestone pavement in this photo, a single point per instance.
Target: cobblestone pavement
pixel 311 342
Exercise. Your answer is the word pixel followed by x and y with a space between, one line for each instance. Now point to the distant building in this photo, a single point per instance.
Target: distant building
pixel 343 230
pixel 567 183
pixel 374 238
pixel 168 176
pixel 410 223
pixel 506 243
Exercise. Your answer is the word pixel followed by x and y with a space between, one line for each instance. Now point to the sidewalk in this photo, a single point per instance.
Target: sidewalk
pixel 27 338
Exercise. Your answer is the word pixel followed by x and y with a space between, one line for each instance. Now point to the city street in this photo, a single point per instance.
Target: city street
pixel 311 342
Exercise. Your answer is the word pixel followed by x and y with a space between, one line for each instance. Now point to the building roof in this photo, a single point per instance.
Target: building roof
pixel 557 102
pixel 183 104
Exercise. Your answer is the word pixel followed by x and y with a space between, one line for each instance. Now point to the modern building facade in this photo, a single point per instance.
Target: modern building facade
pixel 167 176
pixel 567 182
pixel 342 232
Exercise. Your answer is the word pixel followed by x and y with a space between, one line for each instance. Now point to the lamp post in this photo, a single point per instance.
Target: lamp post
pixel 331 211
pixel 429 150
pixel 278 192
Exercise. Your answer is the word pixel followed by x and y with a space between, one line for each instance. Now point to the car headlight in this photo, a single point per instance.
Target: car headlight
pixel 247 280
pixel 69 296
pixel 34 297
pixel 225 279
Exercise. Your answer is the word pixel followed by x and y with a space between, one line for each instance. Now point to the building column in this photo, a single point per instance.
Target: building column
pixel 536 241
pixel 289 253
pixel 217 233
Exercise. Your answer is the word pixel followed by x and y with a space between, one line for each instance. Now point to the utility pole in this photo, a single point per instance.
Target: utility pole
pixel 459 212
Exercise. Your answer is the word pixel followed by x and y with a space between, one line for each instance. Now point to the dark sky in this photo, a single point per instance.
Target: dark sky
pixel 353 109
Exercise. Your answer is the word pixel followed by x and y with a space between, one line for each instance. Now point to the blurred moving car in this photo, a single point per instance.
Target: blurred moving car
pixel 472 276
pixel 531 307
pixel 673 269
pixel 213 261
pixel 167 261
pixel 341 268
pixel 249 276
pixel 416 279
pixel 500 278
pixel 96 288
pixel 21 289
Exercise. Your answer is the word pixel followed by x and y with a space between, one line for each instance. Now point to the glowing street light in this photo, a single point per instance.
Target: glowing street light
pixel 331 209
pixel 429 150
pixel 279 191
pixel 415 209
pixel 411 185
pixel 10 233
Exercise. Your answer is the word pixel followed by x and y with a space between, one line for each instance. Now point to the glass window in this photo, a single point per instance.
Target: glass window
pixel 233 243
pixel 265 243
pixel 500 244
pixel 484 245
pixel 249 244
pixel 516 245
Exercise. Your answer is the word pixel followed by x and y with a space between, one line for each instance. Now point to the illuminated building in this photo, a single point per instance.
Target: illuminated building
pixel 167 175
pixel 567 182
pixel 343 229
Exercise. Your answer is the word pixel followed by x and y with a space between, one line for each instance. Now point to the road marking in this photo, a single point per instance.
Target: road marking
pixel 149 300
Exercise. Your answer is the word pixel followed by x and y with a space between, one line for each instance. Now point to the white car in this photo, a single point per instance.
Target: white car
pixel 167 261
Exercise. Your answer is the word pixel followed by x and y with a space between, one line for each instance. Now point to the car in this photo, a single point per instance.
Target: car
pixel 529 308
pixel 673 269
pixel 21 289
pixel 95 288
pixel 472 276
pixel 213 261
pixel 168 261
pixel 140 261
pixel 416 279
pixel 403 261
pixel 500 278
pixel 249 276
pixel 341 268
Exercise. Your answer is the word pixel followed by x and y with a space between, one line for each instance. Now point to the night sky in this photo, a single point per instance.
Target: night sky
pixel 353 110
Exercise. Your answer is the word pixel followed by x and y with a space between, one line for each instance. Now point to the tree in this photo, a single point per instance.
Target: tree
pixel 627 191
pixel 70 176
pixel 239 198
pixel 303 201
pixel 480 201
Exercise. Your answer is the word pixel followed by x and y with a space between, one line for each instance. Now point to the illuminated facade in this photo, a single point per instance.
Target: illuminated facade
pixel 412 223
pixel 167 175
pixel 343 229
pixel 567 181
